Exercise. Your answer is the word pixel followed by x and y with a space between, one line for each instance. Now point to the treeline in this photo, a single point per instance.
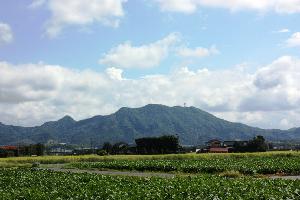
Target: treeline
pixel 257 144
pixel 157 145
pixel 148 145
pixel 117 148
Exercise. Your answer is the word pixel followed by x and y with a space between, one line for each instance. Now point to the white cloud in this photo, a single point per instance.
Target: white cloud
pixel 277 87
pixel 294 40
pixel 284 30
pixel 190 6
pixel 197 52
pixel 184 6
pixel 37 3
pixel 6 34
pixel 114 73
pixel 145 56
pixel 80 13
pixel 34 93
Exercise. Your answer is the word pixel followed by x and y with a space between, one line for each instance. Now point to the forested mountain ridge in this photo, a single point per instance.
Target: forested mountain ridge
pixel 190 124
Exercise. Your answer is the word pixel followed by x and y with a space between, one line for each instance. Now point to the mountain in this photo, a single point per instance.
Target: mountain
pixel 192 125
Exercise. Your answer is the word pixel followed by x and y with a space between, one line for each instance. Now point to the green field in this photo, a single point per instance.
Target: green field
pixel 210 176
pixel 248 163
pixel 95 158
pixel 249 166
pixel 32 184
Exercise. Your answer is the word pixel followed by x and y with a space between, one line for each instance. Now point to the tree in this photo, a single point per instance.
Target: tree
pixel 107 147
pixel 257 144
pixel 39 149
pixel 120 148
pixel 157 145
pixel 241 146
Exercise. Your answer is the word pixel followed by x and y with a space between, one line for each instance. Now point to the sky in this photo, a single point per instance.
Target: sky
pixel 237 59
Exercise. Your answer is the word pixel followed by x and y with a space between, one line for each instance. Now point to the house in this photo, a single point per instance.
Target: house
pixel 220 150
pixel 214 143
pixel 59 149
pixel 8 151
pixel 217 146
pixel 9 148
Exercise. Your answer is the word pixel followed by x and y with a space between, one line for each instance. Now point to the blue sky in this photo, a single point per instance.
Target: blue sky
pixel 151 45
pixel 240 36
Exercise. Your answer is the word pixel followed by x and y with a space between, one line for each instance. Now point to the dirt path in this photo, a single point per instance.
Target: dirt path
pixel 286 177
pixel 60 168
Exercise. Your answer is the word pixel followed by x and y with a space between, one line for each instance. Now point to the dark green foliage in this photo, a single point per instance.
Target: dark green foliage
pixel 39 149
pixel 157 145
pixel 240 147
pixel 32 149
pixel 192 125
pixel 107 147
pixel 120 148
pixel 42 185
pixel 4 153
pixel 101 152
pixel 257 144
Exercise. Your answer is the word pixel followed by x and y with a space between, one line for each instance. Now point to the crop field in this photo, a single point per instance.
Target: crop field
pixel 43 184
pixel 246 165
pixel 94 158
pixel 214 176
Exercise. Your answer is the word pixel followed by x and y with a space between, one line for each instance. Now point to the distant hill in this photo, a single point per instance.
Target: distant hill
pixel 192 125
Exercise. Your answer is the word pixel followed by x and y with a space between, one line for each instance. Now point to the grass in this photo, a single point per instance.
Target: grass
pixel 95 158
pixel 231 174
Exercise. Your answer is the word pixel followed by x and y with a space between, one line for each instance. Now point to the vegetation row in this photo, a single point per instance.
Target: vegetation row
pixel 244 165
pixel 28 184
pixel 19 161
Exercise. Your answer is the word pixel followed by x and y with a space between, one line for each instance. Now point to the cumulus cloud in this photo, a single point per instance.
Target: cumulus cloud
pixel 80 13
pixel 145 56
pixel 6 34
pixel 270 97
pixel 190 6
pixel 294 40
pixel 197 52
pixel 276 87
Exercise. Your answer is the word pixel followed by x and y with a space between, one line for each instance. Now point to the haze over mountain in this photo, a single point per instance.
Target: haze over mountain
pixel 192 125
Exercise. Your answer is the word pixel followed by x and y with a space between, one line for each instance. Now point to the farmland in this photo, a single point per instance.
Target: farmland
pixel 189 156
pixel 197 176
pixel 32 184
pixel 249 165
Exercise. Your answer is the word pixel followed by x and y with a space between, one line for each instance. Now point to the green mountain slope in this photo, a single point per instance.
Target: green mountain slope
pixel 192 125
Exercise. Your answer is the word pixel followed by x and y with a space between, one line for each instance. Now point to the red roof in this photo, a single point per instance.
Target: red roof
pixel 218 150
pixel 8 147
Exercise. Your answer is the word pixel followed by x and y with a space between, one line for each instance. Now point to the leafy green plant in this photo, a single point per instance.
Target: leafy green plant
pixel 43 184
pixel 244 165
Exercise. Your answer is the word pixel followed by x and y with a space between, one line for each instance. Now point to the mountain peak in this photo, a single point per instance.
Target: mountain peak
pixel 67 118
pixel 66 121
